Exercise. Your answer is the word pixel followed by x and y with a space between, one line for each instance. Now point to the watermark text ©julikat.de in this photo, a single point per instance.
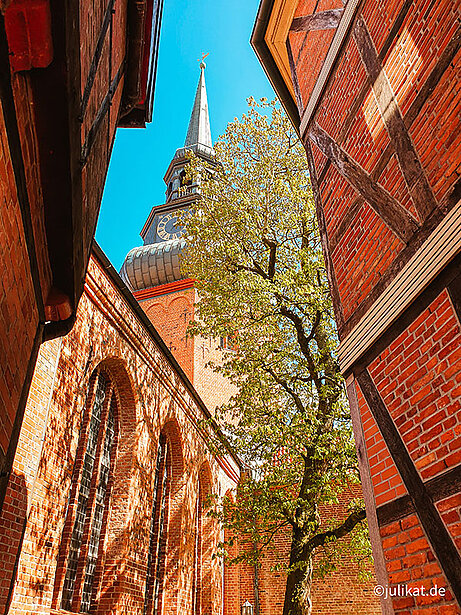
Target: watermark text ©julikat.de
pixel 402 590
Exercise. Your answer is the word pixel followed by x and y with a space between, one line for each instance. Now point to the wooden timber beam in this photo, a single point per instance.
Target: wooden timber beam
pixel 325 20
pixel 440 487
pixel 388 209
pixel 337 305
pixel 410 165
pixel 96 57
pixel 436 531
pixel 100 115
pixel 294 77
pixel 429 85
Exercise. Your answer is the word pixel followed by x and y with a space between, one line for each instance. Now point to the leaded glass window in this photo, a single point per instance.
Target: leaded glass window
pixel 157 539
pixel 92 499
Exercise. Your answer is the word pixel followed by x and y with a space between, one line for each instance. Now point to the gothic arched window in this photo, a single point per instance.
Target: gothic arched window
pixel 87 516
pixel 158 531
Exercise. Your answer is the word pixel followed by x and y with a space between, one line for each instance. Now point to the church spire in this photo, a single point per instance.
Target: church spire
pixel 157 262
pixel 199 132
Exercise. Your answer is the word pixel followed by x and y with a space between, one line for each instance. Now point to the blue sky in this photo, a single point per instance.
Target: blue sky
pixel 141 156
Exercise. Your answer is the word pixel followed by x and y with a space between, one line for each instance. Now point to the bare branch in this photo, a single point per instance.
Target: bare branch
pixel 286 387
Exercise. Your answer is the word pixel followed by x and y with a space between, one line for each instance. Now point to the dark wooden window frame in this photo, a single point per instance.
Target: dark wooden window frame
pixel 197 577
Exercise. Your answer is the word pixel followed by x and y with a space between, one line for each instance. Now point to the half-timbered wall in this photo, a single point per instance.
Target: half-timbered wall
pixel 377 89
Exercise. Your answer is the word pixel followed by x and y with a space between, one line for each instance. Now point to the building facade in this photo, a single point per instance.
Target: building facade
pixel 168 297
pixel 105 507
pixel 373 89
pixel 70 73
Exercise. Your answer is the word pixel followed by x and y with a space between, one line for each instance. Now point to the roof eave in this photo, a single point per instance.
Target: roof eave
pixel 266 60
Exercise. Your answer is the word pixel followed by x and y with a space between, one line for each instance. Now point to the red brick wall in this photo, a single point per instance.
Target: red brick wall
pixel 310 50
pixel 171 314
pixel 23 486
pixel 338 593
pixel 18 310
pixel 20 315
pixel 214 388
pixel 419 380
pixel 410 561
pixel 414 52
pixel 150 397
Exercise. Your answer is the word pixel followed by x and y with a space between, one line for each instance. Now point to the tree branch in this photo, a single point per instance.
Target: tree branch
pixel 303 340
pixel 286 387
pixel 272 257
pixel 342 530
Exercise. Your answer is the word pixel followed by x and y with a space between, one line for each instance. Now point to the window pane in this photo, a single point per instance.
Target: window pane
pixel 84 492
pixel 100 505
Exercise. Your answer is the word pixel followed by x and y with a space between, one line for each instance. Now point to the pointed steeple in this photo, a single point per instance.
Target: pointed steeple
pixel 199 132
pixel 157 262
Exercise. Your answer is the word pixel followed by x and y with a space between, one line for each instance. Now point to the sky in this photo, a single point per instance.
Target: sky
pixel 141 157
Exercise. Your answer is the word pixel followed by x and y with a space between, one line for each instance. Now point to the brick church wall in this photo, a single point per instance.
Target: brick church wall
pixel 151 397
pixel 171 314
pixel 214 388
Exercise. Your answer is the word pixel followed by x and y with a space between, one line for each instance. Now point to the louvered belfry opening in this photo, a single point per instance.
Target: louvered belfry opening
pixel 88 511
pixel 158 531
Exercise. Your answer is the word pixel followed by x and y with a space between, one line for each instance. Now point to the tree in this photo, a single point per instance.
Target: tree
pixel 254 249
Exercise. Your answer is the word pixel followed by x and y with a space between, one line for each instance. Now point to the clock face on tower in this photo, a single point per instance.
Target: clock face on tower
pixel 168 227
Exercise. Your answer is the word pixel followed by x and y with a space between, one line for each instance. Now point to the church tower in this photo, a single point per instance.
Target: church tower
pixel 152 271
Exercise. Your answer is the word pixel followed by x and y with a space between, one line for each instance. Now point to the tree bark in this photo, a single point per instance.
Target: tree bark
pixel 299 581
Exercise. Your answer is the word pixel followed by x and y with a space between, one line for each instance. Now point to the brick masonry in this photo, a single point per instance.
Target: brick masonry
pixel 388 121
pixel 18 311
pixel 382 140
pixel 171 315
pixel 56 135
pixel 54 155
pixel 151 398
pixel 339 592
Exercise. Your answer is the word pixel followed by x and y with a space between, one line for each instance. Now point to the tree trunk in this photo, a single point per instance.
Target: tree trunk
pixel 299 580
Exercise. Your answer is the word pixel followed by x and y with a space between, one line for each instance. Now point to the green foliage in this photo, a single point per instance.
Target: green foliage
pixel 255 251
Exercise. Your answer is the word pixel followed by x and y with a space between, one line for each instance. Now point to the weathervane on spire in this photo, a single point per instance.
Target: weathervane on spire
pixel 202 63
